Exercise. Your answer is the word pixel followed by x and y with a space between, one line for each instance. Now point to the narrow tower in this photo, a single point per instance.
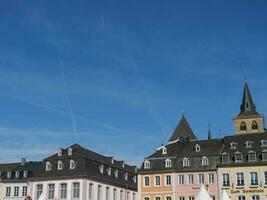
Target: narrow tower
pixel 248 120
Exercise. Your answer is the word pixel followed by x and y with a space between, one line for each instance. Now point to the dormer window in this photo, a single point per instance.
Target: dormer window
pixel 69 151
pixel 17 174
pixel 112 161
pixel 101 169
pixel 59 165
pixel 252 156
pixel 233 145
pixel 248 144
pixel 9 174
pixel 168 163
pixel 254 125
pixel 264 156
pixel 59 153
pixel 134 179
pixel 243 126
pixel 164 150
pixel 123 164
pixel 116 173
pixel 186 162
pixel 225 158
pixel 126 176
pixel 25 174
pixel 72 164
pixel 263 143
pixel 204 161
pixel 238 157
pixel 197 148
pixel 147 164
pixel 109 171
pixel 48 166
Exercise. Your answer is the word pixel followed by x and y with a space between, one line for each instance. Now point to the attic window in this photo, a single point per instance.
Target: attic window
pixel 252 156
pixel 233 145
pixel 197 148
pixel 25 174
pixel 204 161
pixel 147 164
pixel 263 143
pixel 123 165
pixel 134 179
pixel 17 174
pixel 238 157
pixel 109 171
pixel 248 144
pixel 116 173
pixel 264 155
pixel 48 166
pixel 101 169
pixel 72 164
pixel 112 160
pixel 164 150
pixel 9 174
pixel 59 153
pixel 70 151
pixel 168 163
pixel 59 165
pixel 186 162
pixel 225 158
pixel 126 176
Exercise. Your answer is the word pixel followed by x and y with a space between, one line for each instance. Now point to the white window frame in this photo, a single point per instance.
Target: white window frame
pixel 155 180
pixel 168 182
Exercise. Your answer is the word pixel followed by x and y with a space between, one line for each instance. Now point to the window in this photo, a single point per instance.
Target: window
pixel 252 156
pixel 200 178
pixel 254 178
pixel 243 126
pixel 264 155
pixel 134 196
pixel 204 161
pixel 127 195
pixel 107 193
pixel 72 164
pixel 115 194
pixel 254 125
pixel 109 171
pixel 76 190
pixel 63 191
pixel 238 157
pixel 126 176
pixel 157 180
pixel 241 197
pixel 248 144
pixel 191 179
pixel 197 147
pixel 48 166
pixel 101 169
pixel 164 150
pixel 255 197
pixel 157 198
pixel 211 177
pixel 233 145
pixel 99 192
pixel 181 179
pixel 191 198
pixel 70 151
pixel 8 191
pixel 24 191
pixel 168 163
pixel 263 143
pixel 121 195
pixel 226 180
pixel 134 179
pixel 51 191
pixel 186 162
pixel 265 178
pixel 225 158
pixel 181 198
pixel 16 191
pixel 147 164
pixel 91 190
pixel 59 165
pixel 146 181
pixel 116 173
pixel 9 174
pixel 239 179
pixel 212 197
pixel 17 174
pixel 59 153
pixel 168 180
pixel 168 198
pixel 25 174
pixel 39 190
pixel 146 198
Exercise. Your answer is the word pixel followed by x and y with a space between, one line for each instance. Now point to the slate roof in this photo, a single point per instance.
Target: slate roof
pixel 183 130
pixel 30 167
pixel 88 165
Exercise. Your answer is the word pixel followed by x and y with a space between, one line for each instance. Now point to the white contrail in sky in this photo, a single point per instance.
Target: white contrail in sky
pixel 74 126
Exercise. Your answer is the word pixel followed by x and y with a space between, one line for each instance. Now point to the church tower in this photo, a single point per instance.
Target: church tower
pixel 248 120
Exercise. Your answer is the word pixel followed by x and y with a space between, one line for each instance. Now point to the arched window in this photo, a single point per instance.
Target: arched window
pixel 59 165
pixel 186 162
pixel 164 150
pixel 48 166
pixel 243 126
pixel 254 125
pixel 204 161
pixel 72 164
pixel 197 147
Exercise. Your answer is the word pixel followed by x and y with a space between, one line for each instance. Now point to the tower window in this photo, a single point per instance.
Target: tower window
pixel 243 126
pixel 254 125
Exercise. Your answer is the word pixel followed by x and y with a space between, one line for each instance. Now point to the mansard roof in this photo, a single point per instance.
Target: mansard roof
pixel 183 130
pixel 88 165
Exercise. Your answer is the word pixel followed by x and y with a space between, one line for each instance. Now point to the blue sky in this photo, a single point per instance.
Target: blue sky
pixel 126 69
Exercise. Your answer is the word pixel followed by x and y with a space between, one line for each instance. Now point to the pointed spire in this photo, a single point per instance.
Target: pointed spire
pixel 247 107
pixel 183 130
pixel 209 132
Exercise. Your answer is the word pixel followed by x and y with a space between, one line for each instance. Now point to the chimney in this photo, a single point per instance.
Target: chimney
pixel 23 161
